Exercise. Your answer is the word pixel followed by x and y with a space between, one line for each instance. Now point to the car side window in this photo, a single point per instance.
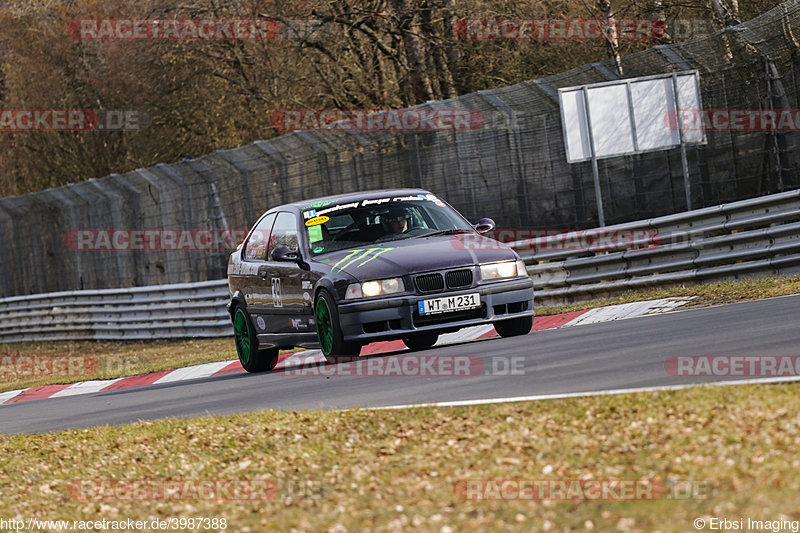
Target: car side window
pixel 257 245
pixel 284 233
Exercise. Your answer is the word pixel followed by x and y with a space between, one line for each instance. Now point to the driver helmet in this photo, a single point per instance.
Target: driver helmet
pixel 393 218
pixel 396 214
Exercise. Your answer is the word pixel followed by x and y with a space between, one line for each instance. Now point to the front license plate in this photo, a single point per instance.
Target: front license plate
pixel 449 304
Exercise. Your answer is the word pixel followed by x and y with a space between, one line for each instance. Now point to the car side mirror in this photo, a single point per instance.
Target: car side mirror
pixel 283 253
pixel 484 225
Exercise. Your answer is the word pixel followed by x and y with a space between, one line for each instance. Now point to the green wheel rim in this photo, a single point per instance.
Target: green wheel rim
pixel 241 333
pixel 324 326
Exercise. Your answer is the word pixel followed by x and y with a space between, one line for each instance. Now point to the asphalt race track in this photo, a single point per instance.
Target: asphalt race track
pixel 597 357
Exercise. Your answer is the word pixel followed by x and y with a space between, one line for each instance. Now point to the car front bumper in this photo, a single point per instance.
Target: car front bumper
pixel 397 317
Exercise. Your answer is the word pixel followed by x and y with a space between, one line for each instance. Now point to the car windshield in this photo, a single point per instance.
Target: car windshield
pixel 332 226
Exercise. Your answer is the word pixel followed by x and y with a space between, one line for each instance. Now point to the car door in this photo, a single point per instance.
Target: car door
pixel 287 281
pixel 250 273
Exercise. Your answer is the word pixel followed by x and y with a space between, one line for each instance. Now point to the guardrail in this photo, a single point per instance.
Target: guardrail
pixel 749 238
pixel 155 312
pixel 742 239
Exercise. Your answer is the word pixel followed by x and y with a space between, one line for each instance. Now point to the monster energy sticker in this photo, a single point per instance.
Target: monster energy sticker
pixel 360 254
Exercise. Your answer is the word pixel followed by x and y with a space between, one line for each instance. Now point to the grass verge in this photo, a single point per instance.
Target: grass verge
pixel 395 470
pixel 119 359
pixel 102 359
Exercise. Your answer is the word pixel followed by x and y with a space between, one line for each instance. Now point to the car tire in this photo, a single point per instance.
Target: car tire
pixel 514 326
pixel 251 358
pixel 419 342
pixel 329 331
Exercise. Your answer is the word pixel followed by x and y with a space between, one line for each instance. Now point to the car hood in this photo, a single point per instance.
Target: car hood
pixel 397 258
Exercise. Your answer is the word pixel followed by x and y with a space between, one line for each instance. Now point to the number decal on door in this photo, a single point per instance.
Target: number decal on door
pixel 277 297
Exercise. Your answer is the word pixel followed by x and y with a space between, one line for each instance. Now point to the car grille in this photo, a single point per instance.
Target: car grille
pixel 458 278
pixel 429 282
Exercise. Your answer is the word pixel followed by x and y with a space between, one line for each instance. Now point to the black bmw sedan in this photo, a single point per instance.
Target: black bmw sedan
pixel 340 272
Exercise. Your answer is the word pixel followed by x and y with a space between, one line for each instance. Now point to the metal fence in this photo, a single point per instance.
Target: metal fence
pixel 749 238
pixel 513 168
pixel 743 239
pixel 156 312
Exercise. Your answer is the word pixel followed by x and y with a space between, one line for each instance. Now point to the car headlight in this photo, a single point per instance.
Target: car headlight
pixel 506 269
pixel 369 289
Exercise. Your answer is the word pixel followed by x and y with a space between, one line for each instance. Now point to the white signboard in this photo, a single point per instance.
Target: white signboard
pixel 628 116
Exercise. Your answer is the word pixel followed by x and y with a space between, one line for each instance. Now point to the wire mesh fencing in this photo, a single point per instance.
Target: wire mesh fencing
pixel 175 223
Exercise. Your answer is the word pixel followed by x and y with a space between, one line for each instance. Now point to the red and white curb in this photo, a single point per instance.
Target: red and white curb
pixel 575 318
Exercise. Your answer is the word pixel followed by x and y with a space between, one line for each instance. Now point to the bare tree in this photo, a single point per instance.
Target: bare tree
pixel 726 11
pixel 610 32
